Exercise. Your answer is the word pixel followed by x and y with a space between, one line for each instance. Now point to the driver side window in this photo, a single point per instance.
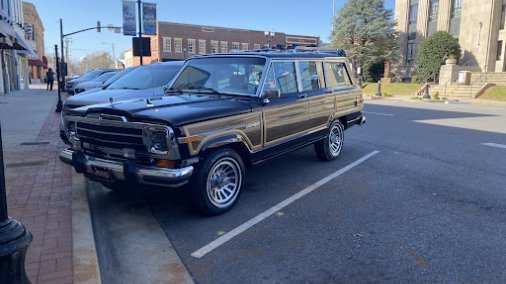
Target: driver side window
pixel 282 77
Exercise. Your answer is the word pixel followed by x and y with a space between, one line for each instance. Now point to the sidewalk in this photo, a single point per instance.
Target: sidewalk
pixel 39 190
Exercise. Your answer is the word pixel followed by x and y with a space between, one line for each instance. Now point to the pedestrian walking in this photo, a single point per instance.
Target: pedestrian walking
pixel 50 79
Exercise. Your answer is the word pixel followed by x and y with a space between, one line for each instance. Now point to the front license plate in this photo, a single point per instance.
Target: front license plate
pixel 102 174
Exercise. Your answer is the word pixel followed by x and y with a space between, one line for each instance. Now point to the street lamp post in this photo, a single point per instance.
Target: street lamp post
pixel 59 105
pixel 14 237
pixel 269 35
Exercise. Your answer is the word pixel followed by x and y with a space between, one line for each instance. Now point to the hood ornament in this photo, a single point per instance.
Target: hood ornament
pixel 149 103
pixel 111 100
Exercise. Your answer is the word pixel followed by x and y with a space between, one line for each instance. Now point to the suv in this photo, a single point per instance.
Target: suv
pixel 221 113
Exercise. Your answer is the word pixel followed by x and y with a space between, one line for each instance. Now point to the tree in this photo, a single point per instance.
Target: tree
pixel 96 60
pixel 365 30
pixel 432 54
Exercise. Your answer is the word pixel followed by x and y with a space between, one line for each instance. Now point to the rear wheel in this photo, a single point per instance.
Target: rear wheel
pixel 217 183
pixel 330 147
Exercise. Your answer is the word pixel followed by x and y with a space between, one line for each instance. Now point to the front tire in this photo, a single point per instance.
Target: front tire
pixel 217 183
pixel 329 148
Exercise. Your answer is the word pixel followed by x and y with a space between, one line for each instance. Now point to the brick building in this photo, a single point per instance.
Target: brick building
pixel 176 41
pixel 35 35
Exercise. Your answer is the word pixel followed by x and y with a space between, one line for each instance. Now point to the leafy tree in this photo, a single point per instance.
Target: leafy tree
pixel 365 30
pixel 96 60
pixel 432 54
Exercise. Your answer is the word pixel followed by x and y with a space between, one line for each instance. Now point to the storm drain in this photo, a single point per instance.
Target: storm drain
pixel 25 164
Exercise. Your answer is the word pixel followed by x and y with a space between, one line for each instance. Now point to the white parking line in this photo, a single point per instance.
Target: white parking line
pixel 378 113
pixel 260 217
pixel 494 145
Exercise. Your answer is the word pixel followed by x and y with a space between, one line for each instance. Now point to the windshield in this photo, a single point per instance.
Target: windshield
pixel 104 77
pixel 232 75
pixel 147 77
pixel 118 75
pixel 91 74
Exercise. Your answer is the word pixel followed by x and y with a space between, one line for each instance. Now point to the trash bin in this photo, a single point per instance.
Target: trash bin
pixel 464 78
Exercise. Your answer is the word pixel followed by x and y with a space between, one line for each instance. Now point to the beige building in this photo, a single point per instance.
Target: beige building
pixel 34 34
pixel 477 24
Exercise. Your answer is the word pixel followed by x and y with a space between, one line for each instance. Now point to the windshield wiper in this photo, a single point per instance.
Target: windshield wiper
pixel 172 90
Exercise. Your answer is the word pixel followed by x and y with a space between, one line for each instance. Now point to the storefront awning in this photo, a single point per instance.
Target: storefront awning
pixel 22 45
pixel 37 62
pixel 5 42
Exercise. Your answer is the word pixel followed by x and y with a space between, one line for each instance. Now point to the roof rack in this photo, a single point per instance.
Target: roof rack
pixel 295 48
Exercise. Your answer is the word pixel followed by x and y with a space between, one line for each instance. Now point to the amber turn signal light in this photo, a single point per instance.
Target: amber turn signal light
pixel 169 164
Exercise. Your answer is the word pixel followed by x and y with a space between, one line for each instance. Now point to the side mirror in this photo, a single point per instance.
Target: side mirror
pixel 269 94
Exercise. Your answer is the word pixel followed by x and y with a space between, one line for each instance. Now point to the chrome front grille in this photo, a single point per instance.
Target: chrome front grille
pixel 114 137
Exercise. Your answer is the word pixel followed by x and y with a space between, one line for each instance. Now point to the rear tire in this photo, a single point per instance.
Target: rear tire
pixel 216 184
pixel 329 148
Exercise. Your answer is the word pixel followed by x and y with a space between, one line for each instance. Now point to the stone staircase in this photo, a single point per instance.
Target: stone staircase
pixel 480 82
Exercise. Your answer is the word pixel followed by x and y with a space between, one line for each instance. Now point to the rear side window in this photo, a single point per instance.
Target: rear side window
pixel 309 76
pixel 282 77
pixel 336 75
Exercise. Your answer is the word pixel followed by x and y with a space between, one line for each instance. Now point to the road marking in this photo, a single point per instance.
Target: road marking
pixel 379 113
pixel 260 217
pixel 494 145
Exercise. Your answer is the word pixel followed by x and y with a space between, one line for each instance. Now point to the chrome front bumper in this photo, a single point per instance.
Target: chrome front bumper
pixel 127 171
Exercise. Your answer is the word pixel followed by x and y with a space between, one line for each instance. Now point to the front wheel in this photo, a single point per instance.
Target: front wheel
pixel 329 148
pixel 217 184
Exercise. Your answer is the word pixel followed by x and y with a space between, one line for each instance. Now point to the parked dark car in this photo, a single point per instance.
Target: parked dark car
pixel 137 82
pixel 71 84
pixel 221 113
pixel 95 83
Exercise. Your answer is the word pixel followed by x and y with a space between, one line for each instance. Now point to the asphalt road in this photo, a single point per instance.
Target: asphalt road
pixel 429 207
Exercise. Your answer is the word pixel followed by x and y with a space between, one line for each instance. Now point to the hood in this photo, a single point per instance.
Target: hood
pixel 176 110
pixel 103 96
pixel 89 84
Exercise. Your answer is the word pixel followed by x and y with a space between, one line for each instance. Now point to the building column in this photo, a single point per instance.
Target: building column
pixel 422 19
pixel 443 22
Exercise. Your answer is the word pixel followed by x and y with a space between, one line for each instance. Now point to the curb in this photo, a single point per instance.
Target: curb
pixel 84 255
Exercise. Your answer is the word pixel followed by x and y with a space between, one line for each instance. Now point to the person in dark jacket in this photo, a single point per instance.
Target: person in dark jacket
pixel 50 79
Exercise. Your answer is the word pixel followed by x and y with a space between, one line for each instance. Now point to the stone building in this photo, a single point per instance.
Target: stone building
pixel 175 41
pixel 477 24
pixel 34 33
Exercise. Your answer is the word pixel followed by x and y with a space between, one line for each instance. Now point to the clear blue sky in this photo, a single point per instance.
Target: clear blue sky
pixel 290 16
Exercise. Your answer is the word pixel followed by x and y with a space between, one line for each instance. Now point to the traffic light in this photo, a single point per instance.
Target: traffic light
pixel 98 26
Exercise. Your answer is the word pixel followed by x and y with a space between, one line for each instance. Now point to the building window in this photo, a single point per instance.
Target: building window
pixel 503 14
pixel 413 13
pixel 499 50
pixel 456 8
pixel 178 45
pixel 191 45
pixel 235 45
pixel 214 46
pixel 167 44
pixel 202 46
pixel 245 46
pixel 434 10
pixel 410 56
pixel 224 46
pixel 256 46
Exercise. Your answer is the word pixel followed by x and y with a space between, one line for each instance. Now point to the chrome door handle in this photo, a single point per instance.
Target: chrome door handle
pixel 302 96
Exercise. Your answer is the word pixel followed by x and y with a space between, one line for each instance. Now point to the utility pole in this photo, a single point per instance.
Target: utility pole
pixel 68 41
pixel 59 105
pixel 14 237
pixel 139 2
pixel 62 56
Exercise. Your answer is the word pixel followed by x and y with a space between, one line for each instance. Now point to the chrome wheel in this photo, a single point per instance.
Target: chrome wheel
pixel 335 140
pixel 224 182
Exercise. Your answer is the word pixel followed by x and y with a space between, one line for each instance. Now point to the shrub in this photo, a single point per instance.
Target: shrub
pixel 432 53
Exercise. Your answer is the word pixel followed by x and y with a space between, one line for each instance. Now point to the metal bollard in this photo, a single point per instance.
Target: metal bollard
pixel 378 92
pixel 14 237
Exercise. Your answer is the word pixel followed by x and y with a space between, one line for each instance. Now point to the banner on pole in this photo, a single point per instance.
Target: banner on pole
pixel 149 18
pixel 129 20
